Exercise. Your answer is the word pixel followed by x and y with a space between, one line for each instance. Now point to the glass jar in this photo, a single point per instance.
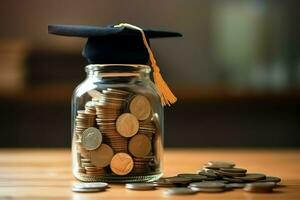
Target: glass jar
pixel 117 125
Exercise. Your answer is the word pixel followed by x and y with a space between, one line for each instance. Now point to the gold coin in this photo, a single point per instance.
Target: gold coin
pixel 139 145
pixel 121 164
pixel 140 107
pixel 95 94
pixel 102 156
pixel 127 125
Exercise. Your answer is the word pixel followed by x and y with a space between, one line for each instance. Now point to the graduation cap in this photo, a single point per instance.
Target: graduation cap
pixel 120 44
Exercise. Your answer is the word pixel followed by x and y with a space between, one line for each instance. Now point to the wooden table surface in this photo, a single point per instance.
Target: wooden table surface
pixel 46 174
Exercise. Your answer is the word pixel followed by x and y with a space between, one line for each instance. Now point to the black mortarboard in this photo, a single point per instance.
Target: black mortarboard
pixel 108 45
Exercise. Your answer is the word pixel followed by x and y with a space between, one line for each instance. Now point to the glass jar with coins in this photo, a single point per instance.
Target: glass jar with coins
pixel 117 111
pixel 117 125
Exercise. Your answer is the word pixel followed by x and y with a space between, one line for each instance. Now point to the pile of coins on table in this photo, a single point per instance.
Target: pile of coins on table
pixel 115 135
pixel 213 177
pixel 217 176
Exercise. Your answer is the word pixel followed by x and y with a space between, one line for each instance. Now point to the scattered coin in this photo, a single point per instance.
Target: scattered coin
pixel 74 189
pixel 211 190
pixel 208 173
pixel 121 164
pixel 235 185
pixel 139 145
pixel 127 125
pixel 91 138
pixel 178 180
pixel 252 177
pixel 140 107
pixel 260 187
pixel 179 191
pixel 95 185
pixel 234 170
pixel 163 183
pixel 271 179
pixel 196 177
pixel 140 186
pixel 221 164
pixel 230 174
pixel 102 156
pixel 207 184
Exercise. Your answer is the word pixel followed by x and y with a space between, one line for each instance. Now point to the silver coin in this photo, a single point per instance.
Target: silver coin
pixel 271 179
pixel 252 177
pixel 81 190
pixel 178 180
pixel 208 184
pixel 91 138
pixel 235 185
pixel 179 191
pixel 212 190
pixel 208 173
pixel 234 170
pixel 196 177
pixel 233 180
pixel 96 185
pixel 140 186
pixel 260 187
pixel 230 174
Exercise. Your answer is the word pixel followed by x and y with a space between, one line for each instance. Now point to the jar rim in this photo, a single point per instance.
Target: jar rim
pixel 99 67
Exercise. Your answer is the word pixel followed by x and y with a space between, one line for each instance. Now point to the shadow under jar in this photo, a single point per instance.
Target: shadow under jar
pixel 117 125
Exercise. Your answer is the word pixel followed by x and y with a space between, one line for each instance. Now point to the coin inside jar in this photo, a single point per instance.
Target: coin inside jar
pixel 102 156
pixel 91 138
pixel 140 107
pixel 139 145
pixel 121 164
pixel 127 125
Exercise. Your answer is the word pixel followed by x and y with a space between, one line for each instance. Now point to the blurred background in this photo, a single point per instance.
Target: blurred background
pixel 236 71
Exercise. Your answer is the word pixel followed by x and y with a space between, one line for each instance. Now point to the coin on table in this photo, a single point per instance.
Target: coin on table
pixel 91 138
pixel 195 177
pixel 260 187
pixel 233 180
pixel 127 125
pixel 139 145
pixel 140 186
pixel 163 183
pixel 102 156
pixel 96 185
pixel 230 174
pixel 140 107
pixel 179 191
pixel 178 180
pixel 121 164
pixel 235 185
pixel 221 164
pixel 207 184
pixel 234 170
pixel 210 190
pixel 271 179
pixel 252 177
pixel 209 173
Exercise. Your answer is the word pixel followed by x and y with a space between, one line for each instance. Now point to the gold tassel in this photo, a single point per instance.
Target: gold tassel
pixel 166 95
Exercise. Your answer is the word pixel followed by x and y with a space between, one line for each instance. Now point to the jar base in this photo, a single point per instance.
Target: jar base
pixel 118 179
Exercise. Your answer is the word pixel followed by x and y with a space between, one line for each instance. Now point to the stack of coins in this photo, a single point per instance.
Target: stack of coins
pixel 109 108
pixel 126 123
pixel 83 121
pixel 147 128
pixel 142 165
